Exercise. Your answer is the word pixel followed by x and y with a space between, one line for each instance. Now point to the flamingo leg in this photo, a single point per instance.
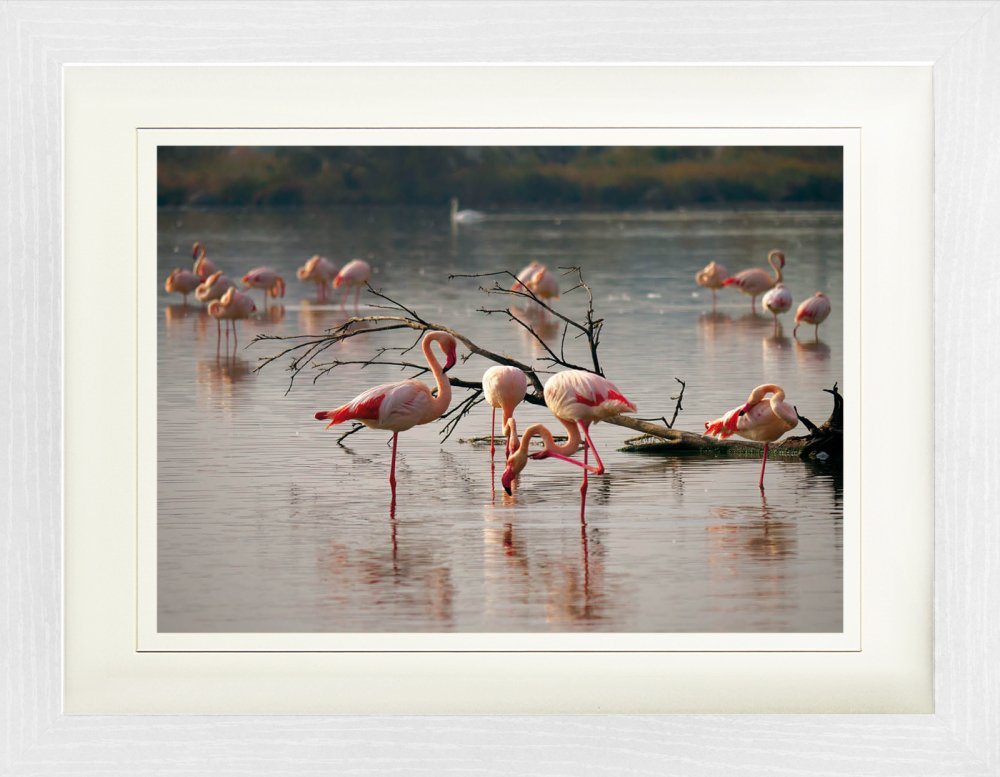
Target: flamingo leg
pixel 763 464
pixel 357 296
pixel 236 339
pixel 493 433
pixel 583 485
pixel 392 467
pixel 599 470
pixel 817 333
pixel 753 304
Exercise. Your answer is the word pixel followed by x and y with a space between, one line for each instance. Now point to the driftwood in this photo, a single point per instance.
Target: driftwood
pixel 823 443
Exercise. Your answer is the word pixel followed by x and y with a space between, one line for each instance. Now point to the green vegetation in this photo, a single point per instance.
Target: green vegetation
pixel 501 176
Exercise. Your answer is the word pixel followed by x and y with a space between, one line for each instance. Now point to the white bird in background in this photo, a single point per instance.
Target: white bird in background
pixel 464 216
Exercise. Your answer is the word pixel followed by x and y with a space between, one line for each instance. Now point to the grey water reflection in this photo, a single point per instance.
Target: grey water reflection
pixel 267 525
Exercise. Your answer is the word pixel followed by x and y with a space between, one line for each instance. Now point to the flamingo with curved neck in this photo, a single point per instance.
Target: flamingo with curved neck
pixel 518 458
pixel 755 281
pixel 759 419
pixel 399 406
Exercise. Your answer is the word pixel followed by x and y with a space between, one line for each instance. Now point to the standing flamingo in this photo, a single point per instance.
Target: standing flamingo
pixel 504 388
pixel 232 306
pixel 318 270
pixel 712 277
pixel 812 311
pixel 583 398
pixel 212 288
pixel 518 457
pixel 760 419
pixel 203 266
pixel 539 280
pixel 756 281
pixel 403 405
pixel 777 300
pixel 181 282
pixel 356 274
pixel 267 279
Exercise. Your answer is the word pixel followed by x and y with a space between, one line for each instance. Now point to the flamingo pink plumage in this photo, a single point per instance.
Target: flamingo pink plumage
pixel 318 270
pixel 203 266
pixel 812 311
pixel 756 281
pixel 267 279
pixel 712 277
pixel 577 397
pixel 539 280
pixel 355 274
pixel 213 287
pixel 232 306
pixel 504 387
pixel 777 300
pixel 760 419
pixel 403 405
pixel 181 282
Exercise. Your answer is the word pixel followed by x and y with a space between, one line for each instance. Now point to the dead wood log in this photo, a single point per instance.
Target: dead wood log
pixel 823 443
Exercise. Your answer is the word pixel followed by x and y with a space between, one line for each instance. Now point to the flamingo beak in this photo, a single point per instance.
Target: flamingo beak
pixel 507 479
pixel 452 358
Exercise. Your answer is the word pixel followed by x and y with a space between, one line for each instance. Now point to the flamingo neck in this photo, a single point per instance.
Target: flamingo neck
pixel 762 391
pixel 573 439
pixel 776 266
pixel 443 399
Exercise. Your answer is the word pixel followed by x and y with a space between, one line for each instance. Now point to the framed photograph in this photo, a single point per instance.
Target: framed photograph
pixel 284 488
pixel 259 532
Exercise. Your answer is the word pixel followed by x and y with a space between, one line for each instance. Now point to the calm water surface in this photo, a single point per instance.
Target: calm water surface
pixel 267 525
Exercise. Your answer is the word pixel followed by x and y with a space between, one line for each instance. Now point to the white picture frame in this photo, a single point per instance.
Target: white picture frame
pixel 961 40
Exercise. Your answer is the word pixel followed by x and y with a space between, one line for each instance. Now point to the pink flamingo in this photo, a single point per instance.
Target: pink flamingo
pixel 538 279
pixel 232 306
pixel 267 279
pixel 712 277
pixel 203 266
pixel 760 419
pixel 517 459
pixel 356 273
pixel 318 270
pixel 181 282
pixel 756 281
pixel 777 300
pixel 403 405
pixel 212 288
pixel 577 397
pixel 504 388
pixel 812 311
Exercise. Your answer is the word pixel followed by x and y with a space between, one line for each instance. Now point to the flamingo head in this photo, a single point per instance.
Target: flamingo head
pixel 197 250
pixel 450 348
pixel 779 257
pixel 515 463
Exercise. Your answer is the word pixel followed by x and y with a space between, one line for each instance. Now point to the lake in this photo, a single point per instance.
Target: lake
pixel 265 524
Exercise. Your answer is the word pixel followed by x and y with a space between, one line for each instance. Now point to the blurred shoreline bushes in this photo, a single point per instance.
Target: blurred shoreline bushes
pixel 494 177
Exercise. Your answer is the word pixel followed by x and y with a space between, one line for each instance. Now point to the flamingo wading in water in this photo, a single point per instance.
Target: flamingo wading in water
pixel 539 280
pixel 403 405
pixel 504 388
pixel 755 281
pixel 203 266
pixel 777 300
pixel 318 270
pixel 712 277
pixel 267 279
pixel 759 419
pixel 232 306
pixel 812 311
pixel 181 282
pixel 354 274
pixel 575 397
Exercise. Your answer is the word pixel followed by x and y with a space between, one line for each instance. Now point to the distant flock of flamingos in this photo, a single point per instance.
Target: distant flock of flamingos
pixel 576 398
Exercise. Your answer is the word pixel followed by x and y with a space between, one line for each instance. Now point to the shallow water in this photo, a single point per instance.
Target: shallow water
pixel 265 524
